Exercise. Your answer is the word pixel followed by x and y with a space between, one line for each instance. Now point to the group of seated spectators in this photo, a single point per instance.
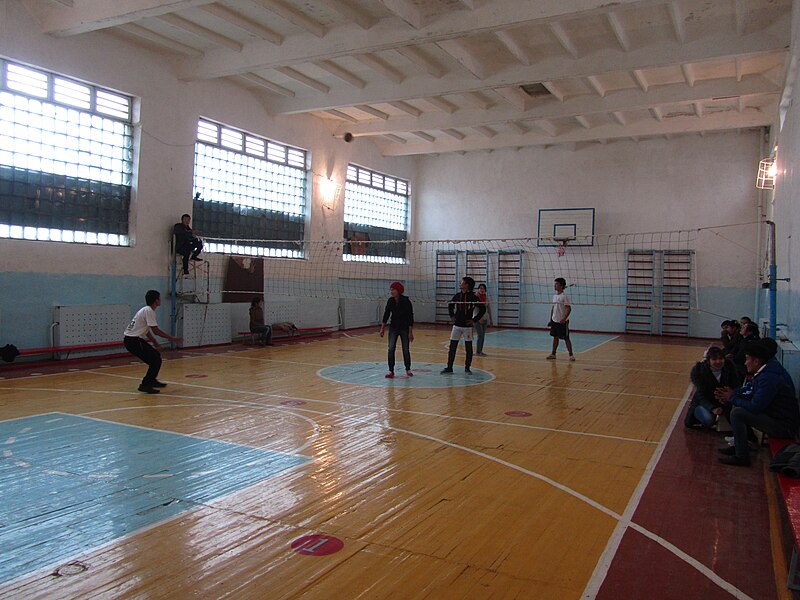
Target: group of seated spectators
pixel 741 379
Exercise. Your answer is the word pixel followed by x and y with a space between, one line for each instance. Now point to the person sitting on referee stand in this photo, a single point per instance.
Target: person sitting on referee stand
pixel 187 244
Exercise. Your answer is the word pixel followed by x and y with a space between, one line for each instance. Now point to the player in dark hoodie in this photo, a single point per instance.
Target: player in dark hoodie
pixel 464 308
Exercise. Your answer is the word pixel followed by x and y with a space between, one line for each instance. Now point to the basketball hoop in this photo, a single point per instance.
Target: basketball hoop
pixel 562 246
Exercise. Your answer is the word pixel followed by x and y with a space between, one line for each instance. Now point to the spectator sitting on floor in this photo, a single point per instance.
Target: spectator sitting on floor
pixel 733 330
pixel 767 403
pixel 750 334
pixel 744 321
pixel 707 375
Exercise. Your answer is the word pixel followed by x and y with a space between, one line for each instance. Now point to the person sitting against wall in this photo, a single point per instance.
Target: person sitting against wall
pixel 732 337
pixel 187 244
pixel 257 321
pixel 767 403
pixel 707 375
pixel 744 321
pixel 749 334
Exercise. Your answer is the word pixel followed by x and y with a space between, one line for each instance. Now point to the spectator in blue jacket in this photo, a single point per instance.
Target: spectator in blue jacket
pixel 767 402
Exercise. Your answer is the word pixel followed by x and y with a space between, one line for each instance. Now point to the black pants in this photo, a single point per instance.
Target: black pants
pixel 191 248
pixel 147 354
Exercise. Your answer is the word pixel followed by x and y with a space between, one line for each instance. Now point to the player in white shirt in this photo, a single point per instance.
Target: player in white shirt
pixel 138 332
pixel 559 318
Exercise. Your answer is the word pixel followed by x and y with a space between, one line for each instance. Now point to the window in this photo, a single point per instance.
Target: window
pixel 250 193
pixel 375 210
pixel 66 159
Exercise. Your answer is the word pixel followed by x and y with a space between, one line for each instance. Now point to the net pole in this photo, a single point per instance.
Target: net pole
pixel 773 281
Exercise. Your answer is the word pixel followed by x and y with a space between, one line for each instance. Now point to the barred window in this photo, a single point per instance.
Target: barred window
pixel 250 193
pixel 66 159
pixel 375 210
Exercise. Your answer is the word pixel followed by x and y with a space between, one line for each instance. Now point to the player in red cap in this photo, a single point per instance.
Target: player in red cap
pixel 399 308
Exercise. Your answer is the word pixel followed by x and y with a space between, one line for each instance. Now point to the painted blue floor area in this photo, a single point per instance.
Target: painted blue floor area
pixel 524 339
pixel 70 483
pixel 426 375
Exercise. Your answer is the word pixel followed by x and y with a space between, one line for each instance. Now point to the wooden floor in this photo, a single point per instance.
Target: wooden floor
pixel 286 483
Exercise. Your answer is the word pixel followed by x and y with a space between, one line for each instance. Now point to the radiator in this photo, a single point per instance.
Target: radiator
pixel 204 324
pixel 357 312
pixel 90 324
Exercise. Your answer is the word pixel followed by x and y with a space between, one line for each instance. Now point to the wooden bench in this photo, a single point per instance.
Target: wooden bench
pixel 76 348
pixel 790 490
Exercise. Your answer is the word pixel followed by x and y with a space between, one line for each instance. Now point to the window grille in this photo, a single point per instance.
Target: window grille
pixel 375 209
pixel 66 159
pixel 248 189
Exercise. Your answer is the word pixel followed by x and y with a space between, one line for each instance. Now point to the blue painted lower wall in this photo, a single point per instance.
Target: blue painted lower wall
pixel 27 301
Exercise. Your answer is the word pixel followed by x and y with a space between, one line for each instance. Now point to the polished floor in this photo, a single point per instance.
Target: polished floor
pixel 299 471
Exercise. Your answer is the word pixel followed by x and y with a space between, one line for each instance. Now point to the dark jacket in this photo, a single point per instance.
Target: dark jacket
pixel 256 317
pixel 705 383
pixel 771 391
pixel 462 308
pixel 401 312
pixel 183 236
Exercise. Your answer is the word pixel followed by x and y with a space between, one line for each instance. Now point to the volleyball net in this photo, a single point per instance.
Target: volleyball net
pixel 655 269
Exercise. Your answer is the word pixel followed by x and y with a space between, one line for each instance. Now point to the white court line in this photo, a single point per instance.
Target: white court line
pixel 667 545
pixel 604 563
pixel 380 407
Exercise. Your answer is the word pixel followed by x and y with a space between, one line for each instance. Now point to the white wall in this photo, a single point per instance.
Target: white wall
pixel 654 185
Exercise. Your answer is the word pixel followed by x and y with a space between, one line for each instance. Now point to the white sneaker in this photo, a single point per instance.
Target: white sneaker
pixel 571 358
pixel 551 357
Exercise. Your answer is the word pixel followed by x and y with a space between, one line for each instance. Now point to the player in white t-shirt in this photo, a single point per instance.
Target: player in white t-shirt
pixel 138 332
pixel 559 318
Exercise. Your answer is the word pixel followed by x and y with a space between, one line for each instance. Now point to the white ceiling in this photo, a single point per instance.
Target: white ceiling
pixel 434 76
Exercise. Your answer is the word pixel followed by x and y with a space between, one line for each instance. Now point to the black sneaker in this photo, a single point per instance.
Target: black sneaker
pixel 158 384
pixel 729 451
pixel 446 371
pixel 148 390
pixel 467 371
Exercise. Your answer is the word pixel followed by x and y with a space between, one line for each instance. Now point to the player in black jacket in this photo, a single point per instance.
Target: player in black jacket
pixel 464 308
pixel 401 311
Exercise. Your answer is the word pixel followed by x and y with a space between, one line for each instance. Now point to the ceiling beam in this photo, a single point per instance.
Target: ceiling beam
pixel 466 58
pixel 659 54
pixel 359 17
pixel 267 85
pixel 619 31
pixel 407 11
pixel 595 84
pixel 557 29
pixel 407 108
pixel 514 46
pixel 293 15
pixel 379 66
pixel 721 121
pixel 441 104
pixel 93 15
pixel 304 79
pixel 372 111
pixel 423 136
pixel 676 18
pixel 343 74
pixel 621 101
pixel 341 115
pixel 514 96
pixel 688 74
pixel 155 38
pixel 229 16
pixel 201 32
pixel 422 60
pixel 386 35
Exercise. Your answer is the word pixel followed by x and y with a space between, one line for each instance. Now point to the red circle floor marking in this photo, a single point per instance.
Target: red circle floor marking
pixel 317 545
pixel 196 375
pixel 292 403
pixel 518 413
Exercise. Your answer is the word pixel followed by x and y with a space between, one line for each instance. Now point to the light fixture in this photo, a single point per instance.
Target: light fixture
pixel 767 170
pixel 330 191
